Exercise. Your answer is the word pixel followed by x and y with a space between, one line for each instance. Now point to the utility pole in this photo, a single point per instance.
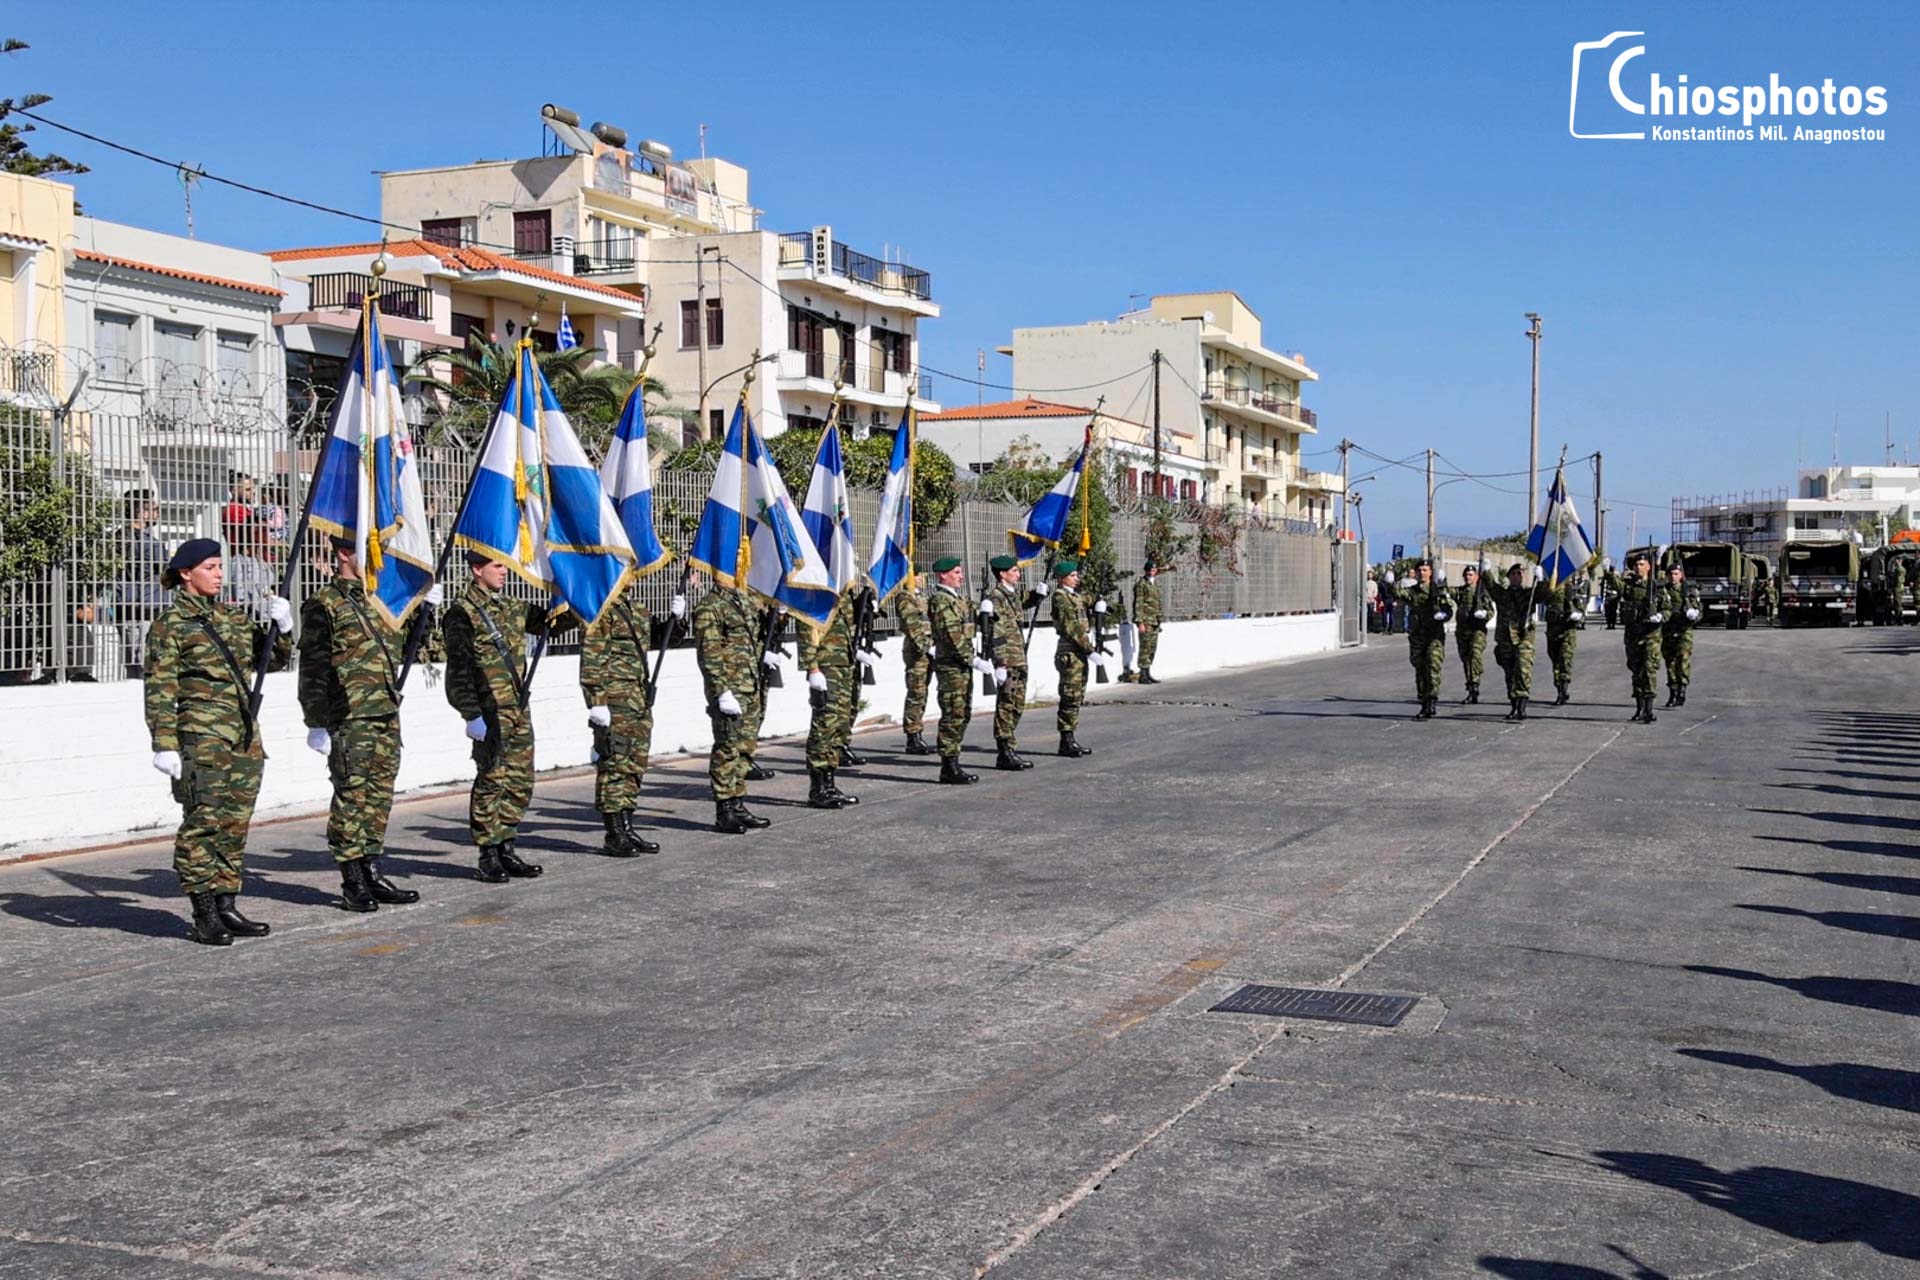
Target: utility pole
pixel 980 382
pixel 700 322
pixel 1430 540
pixel 1345 532
pixel 1599 508
pixel 1533 437
pixel 1633 528
pixel 1156 424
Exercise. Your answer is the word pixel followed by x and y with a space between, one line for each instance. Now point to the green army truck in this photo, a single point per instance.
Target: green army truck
pixel 1819 583
pixel 1878 603
pixel 1720 572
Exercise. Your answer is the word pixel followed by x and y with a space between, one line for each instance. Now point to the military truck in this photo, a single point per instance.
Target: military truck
pixel 1818 583
pixel 1878 604
pixel 1719 571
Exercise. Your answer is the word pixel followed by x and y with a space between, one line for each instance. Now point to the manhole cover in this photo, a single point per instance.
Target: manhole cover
pixel 1362 1007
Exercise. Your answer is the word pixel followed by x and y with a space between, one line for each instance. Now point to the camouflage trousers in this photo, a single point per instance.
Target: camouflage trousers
pixel 1676 650
pixel 1008 707
pixel 1516 663
pixel 1149 645
pixel 503 778
pixel 363 764
pixel 733 742
pixel 1073 687
pixel 832 725
pixel 913 716
pixel 622 747
pixel 217 786
pixel 1472 647
pixel 1643 661
pixel 956 706
pixel 1560 646
pixel 1428 653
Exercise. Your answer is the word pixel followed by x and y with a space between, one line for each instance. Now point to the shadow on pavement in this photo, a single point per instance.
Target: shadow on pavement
pixel 100 902
pixel 1835 789
pixel 1857 774
pixel 1847 879
pixel 1892 1087
pixel 1884 926
pixel 1845 819
pixel 1538 1269
pixel 1884 994
pixel 1880 848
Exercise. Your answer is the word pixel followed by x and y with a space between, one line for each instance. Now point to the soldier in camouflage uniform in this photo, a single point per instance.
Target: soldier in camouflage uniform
pixel 350 697
pixel 1513 638
pixel 727 641
pixel 1473 607
pixel 615 680
pixel 773 622
pixel 1566 605
pixel 485 632
pixel 1073 648
pixel 1009 657
pixel 1682 606
pixel 1610 595
pixel 1642 602
pixel 953 663
pixel 833 687
pixel 1147 618
pixel 916 648
pixel 1897 582
pixel 1429 606
pixel 199 664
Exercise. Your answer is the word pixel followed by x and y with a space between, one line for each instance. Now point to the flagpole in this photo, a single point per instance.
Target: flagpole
pixel 546 520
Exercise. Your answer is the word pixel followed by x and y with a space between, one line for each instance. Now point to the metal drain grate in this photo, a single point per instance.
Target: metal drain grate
pixel 1360 1007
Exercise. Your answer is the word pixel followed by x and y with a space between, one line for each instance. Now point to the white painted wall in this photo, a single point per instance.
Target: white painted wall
pixel 74 759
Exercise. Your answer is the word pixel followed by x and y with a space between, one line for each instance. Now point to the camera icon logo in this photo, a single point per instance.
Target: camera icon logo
pixel 1580 50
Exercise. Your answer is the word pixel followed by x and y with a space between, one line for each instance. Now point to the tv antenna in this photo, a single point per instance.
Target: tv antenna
pixel 188 175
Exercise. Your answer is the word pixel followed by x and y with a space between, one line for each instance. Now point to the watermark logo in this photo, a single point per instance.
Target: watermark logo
pixel 1641 105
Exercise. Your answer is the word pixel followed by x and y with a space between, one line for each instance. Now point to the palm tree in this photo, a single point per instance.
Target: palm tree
pixel 473 382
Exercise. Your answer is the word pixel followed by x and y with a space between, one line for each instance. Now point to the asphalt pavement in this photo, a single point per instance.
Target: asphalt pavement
pixel 1666 1024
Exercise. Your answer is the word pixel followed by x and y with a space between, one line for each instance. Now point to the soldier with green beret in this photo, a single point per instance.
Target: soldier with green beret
pixel 1566 607
pixel 1147 617
pixel 1642 612
pixel 1429 606
pixel 1073 649
pixel 1683 609
pixel 615 681
pixel 1473 611
pixel 916 650
pixel 199 709
pixel 726 636
pixel 833 688
pixel 1009 658
pixel 953 663
pixel 350 697
pixel 1513 630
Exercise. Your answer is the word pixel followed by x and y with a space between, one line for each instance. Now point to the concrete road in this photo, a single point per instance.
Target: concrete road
pixel 1667 1022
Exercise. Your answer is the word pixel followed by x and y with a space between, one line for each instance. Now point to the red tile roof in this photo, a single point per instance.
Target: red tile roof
pixel 465 258
pixel 20 239
pixel 1028 408
pixel 128 264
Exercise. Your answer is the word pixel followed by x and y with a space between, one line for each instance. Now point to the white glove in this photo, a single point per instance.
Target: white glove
pixel 1656 617
pixel 817 681
pixel 319 740
pixel 1441 615
pixel 679 607
pixel 280 612
pixel 477 728
pixel 862 657
pixel 769 659
pixel 599 717
pixel 1480 614
pixel 1042 589
pixel 984 667
pixel 167 762
pixel 1098 659
pixel 986 608
pixel 435 594
pixel 1000 674
pixel 1099 606
pixel 1693 615
pixel 728 704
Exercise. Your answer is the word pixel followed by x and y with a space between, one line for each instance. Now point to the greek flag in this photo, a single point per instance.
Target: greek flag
pixel 1046 522
pixel 626 473
pixel 368 487
pixel 536 501
pixel 566 341
pixel 891 561
pixel 751 535
pixel 1558 542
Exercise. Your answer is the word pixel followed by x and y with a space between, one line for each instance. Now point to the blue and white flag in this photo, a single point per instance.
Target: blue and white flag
pixel 536 502
pixel 751 535
pixel 368 486
pixel 626 473
pixel 890 563
pixel 1046 522
pixel 1558 542
pixel 565 340
pixel 826 513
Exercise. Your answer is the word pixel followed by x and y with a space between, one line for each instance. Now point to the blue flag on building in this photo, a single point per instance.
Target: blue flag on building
pixel 536 502
pixel 626 473
pixel 368 486
pixel 752 536
pixel 1557 541
pixel 1046 522
pixel 890 563
pixel 566 341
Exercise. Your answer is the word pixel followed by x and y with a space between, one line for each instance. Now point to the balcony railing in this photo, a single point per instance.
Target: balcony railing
pixel 1220 389
pixel 603 257
pixel 796 250
pixel 29 373
pixel 815 364
pixel 349 289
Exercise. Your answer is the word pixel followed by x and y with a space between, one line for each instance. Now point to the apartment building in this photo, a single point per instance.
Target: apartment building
pixel 975 435
pixel 36 222
pixel 1827 503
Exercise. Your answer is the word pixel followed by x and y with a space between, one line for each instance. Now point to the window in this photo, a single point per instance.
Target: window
pixel 690 325
pixel 466 327
pixel 313 382
pixel 533 233
pixel 114 348
pixel 451 232
pixel 716 424
pixel 177 346
pixel 893 348
pixel 234 354
pixel 1133 480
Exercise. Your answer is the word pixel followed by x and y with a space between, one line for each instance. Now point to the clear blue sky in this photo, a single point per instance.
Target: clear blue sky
pixel 1391 187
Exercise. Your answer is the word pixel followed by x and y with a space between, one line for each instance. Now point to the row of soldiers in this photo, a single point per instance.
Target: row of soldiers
pixel 201 717
pixel 1659 616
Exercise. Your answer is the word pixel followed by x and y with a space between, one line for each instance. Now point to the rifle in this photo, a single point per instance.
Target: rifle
pixel 988 685
pixel 869 609
pixel 666 636
pixel 770 631
pixel 1034 599
pixel 1100 641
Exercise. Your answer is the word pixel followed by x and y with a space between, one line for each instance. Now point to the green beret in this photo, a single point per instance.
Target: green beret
pixel 1065 567
pixel 1000 564
pixel 1516 568
pixel 946 564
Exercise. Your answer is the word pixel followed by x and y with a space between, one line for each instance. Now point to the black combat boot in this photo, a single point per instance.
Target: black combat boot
pixel 385 890
pixel 1680 695
pixel 619 844
pixel 1672 695
pixel 952 774
pixel 355 893
pixel 1519 708
pixel 750 820
pixel 1513 708
pixel 917 745
pixel 639 842
pixel 1473 694
pixel 1147 676
pixel 819 792
pixel 1127 677
pixel 833 789
pixel 208 929
pixel 851 759
pixel 228 909
pixel 1561 699
pixel 1071 748
pixel 1423 713
pixel 1006 759
pixel 725 820
pixel 515 865
pixel 758 773
pixel 489 867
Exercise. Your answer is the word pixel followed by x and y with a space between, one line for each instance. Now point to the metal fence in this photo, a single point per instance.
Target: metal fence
pixel 92 504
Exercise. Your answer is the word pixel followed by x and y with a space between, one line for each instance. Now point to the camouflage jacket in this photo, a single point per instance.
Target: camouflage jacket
pixel 1469 600
pixel 349 660
pixel 951 617
pixel 613 655
pixel 1009 639
pixel 726 640
pixel 1566 604
pixel 911 608
pixel 481 678
pixel 1514 608
pixel 1146 603
pixel 1070 620
pixel 1424 607
pixel 1675 601
pixel 832 650
pixel 1636 604
pixel 191 688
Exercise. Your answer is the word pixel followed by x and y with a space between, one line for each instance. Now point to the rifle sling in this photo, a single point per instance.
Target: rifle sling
pixel 239 679
pixel 500 643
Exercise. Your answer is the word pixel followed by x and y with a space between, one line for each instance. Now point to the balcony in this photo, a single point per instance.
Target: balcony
pixel 1219 391
pixel 349 289
pixel 797 251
